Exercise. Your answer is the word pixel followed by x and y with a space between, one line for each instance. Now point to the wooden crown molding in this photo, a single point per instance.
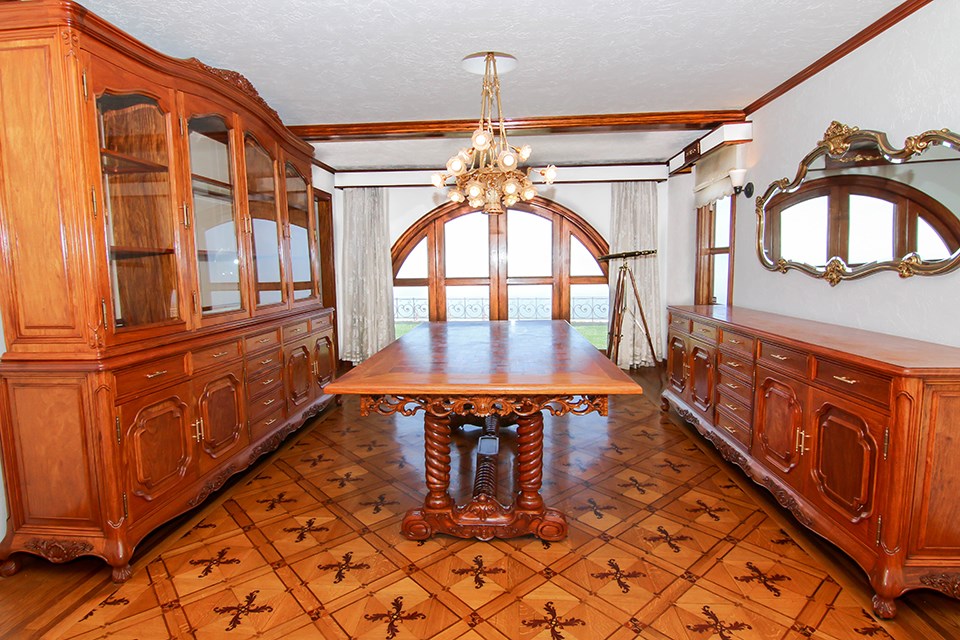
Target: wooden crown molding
pixel 597 123
pixel 861 38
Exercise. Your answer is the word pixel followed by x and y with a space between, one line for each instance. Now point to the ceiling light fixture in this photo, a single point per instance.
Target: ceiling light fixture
pixel 487 174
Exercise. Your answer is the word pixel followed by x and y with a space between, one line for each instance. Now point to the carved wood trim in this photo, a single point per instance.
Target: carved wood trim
pixel 238 80
pixel 58 550
pixel 213 484
pixel 948 583
pixel 483 405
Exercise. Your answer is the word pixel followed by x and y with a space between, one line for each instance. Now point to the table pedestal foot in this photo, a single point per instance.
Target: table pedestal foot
pixel 503 522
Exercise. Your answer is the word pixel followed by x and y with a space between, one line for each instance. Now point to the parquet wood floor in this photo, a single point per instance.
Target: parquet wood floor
pixel 666 542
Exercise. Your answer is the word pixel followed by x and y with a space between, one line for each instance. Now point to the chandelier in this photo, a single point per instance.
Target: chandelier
pixel 487 174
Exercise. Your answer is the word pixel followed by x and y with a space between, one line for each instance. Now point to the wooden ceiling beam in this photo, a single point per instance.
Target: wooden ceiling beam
pixel 597 123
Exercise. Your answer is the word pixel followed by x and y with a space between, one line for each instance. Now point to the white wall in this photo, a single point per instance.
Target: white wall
pixel 681 241
pixel 904 81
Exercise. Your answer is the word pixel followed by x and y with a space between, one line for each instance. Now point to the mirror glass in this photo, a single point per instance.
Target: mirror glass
pixel 859 205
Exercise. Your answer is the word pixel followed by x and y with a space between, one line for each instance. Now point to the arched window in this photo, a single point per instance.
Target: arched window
pixel 536 261
pixel 859 219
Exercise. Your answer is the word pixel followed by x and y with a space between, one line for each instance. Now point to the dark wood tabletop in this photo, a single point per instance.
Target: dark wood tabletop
pixel 477 358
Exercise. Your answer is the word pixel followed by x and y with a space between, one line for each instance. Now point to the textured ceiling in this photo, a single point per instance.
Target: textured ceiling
pixel 344 61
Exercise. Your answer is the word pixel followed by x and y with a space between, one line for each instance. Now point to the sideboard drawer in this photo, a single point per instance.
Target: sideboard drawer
pixel 153 374
pixel 294 331
pixel 737 342
pixel 266 424
pixel 265 404
pixel 782 358
pixel 853 381
pixel 258 363
pixel 705 332
pixel 735 386
pixel 741 432
pixel 736 364
pixel 264 383
pixel 218 354
pixel 735 407
pixel 262 341
pixel 680 323
pixel 323 321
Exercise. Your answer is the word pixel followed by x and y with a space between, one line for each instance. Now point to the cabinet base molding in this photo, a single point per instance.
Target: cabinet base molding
pixel 58 550
pixel 855 433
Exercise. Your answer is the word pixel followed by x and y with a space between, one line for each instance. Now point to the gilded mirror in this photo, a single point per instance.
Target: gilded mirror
pixel 859 205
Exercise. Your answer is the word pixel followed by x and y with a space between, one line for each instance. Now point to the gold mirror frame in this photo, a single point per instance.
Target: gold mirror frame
pixel 837 141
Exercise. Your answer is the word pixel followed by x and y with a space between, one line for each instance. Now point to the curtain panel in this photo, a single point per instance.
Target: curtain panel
pixel 365 293
pixel 633 227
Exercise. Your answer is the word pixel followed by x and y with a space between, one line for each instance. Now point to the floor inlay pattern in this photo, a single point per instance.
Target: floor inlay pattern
pixel 663 544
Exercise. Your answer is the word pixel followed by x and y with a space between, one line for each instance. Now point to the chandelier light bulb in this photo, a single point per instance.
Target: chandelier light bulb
pixel 456 165
pixel 474 189
pixel 525 152
pixel 507 160
pixel 476 203
pixel 438 180
pixel 481 140
pixel 455 195
pixel 549 174
pixel 511 187
pixel 510 200
pixel 529 193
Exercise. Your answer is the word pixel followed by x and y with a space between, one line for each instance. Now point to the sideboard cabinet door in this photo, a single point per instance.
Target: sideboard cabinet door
pixel 778 429
pixel 221 406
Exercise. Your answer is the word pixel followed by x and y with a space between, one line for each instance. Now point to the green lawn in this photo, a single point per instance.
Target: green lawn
pixel 595 332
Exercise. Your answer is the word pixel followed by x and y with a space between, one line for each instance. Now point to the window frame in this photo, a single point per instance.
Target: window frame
pixel 707 248
pixel 566 223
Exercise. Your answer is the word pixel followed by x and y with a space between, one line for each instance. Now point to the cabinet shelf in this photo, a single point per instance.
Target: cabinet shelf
pixel 120 163
pixel 203 190
pixel 211 181
pixel 119 252
pixel 262 197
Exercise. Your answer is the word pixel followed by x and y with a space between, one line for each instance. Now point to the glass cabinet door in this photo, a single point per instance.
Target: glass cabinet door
pixel 301 248
pixel 141 228
pixel 265 224
pixel 214 216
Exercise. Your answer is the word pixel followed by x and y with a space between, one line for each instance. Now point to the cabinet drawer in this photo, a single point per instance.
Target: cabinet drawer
pixel 735 386
pixel 853 381
pixel 734 406
pixel 679 323
pixel 265 425
pixel 321 322
pixel 153 374
pixel 784 359
pixel 737 365
pixel 295 331
pixel 211 356
pixel 260 362
pixel 705 332
pixel 264 383
pixel 259 407
pixel 737 342
pixel 261 341
pixel 741 432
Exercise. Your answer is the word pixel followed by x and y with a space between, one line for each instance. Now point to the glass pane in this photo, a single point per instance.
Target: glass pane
pixel 803 232
pixel 581 262
pixel 467 246
pixel 930 246
pixel 136 189
pixel 468 302
pixel 415 266
pixel 529 302
pixel 298 213
pixel 721 224
pixel 871 230
pixel 529 245
pixel 589 311
pixel 721 266
pixel 262 199
pixel 214 222
pixel 410 308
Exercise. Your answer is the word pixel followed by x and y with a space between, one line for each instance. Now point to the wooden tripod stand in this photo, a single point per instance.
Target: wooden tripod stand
pixel 620 303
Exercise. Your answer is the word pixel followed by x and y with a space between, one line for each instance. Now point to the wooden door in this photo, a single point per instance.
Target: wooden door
pixel 702 377
pixel 846 447
pixel 324 359
pixel 157 445
pixel 298 375
pixel 221 415
pixel 677 363
pixel 778 428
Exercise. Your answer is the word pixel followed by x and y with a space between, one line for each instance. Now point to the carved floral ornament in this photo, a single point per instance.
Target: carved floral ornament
pixel 847 146
pixel 483 405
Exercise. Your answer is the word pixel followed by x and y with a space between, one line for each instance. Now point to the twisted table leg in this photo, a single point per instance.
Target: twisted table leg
pixel 437 452
pixel 529 461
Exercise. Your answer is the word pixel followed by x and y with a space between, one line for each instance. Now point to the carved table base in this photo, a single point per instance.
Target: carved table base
pixel 484 517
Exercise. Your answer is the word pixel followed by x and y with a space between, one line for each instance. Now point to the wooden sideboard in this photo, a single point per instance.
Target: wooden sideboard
pixel 856 433
pixel 159 284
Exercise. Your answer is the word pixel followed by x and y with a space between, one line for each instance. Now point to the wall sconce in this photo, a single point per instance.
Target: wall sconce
pixel 737 176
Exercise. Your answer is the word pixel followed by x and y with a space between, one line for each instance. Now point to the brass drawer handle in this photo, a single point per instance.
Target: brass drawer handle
pixel 779 357
pixel 297 330
pixel 220 355
pixel 847 380
pixel 269 422
pixel 735 365
pixel 267 381
pixel 155 374
pixel 269 402
pixel 263 340
pixel 704 330
pixel 734 341
pixel 731 430
pixel 730 406
pixel 733 386
pixel 267 361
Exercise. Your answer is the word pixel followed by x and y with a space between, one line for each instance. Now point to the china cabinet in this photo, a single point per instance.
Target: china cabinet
pixel 160 289
pixel 856 433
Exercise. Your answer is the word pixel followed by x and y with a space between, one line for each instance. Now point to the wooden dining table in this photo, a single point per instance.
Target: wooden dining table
pixel 493 375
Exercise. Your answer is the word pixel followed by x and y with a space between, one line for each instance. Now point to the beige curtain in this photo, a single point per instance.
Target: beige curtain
pixel 365 290
pixel 633 227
